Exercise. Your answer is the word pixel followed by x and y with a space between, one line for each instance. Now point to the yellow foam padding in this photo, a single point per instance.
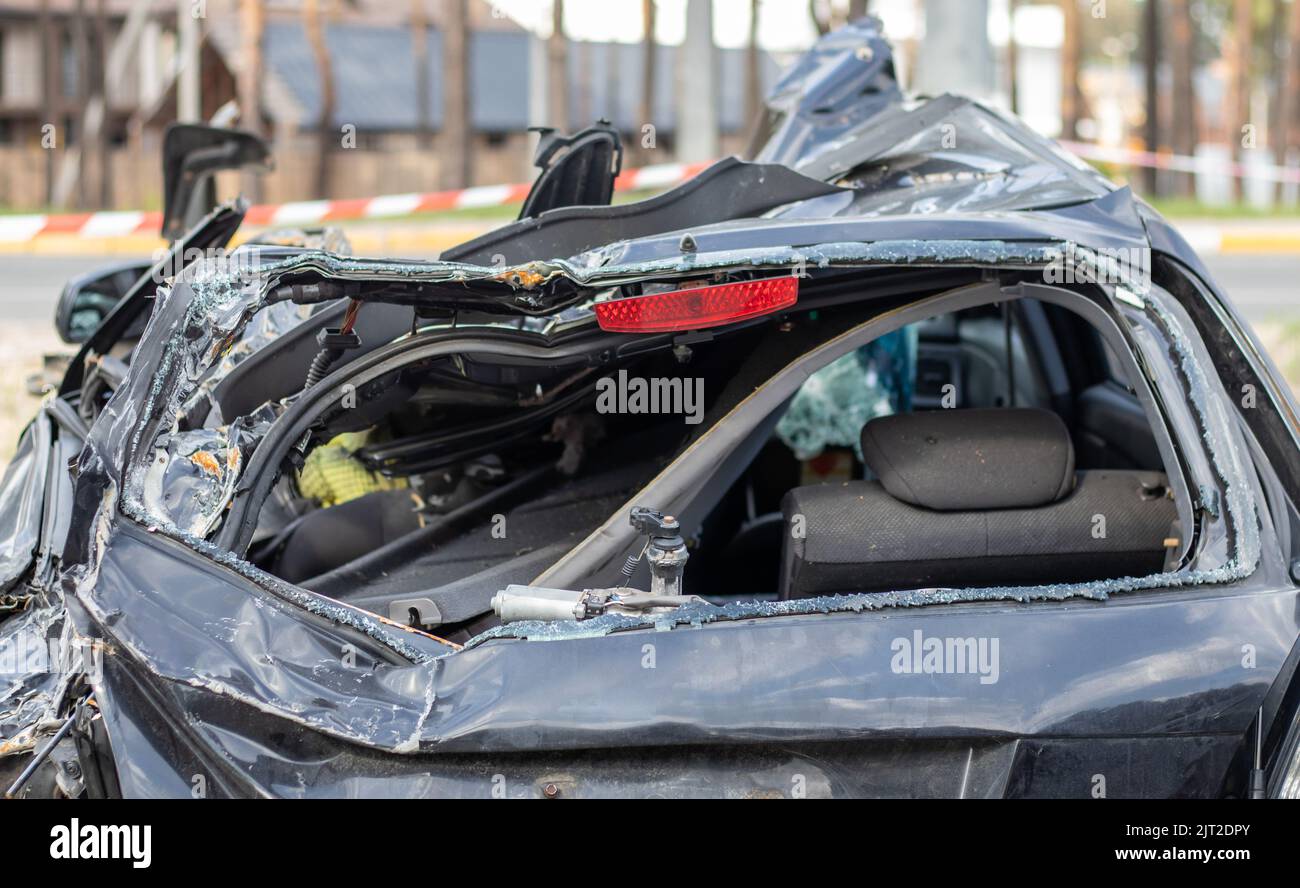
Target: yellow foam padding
pixel 333 475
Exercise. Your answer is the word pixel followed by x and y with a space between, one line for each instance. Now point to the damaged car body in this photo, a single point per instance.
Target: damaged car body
pixel 986 492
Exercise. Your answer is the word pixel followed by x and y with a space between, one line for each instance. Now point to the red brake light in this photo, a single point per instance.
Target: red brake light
pixel 697 308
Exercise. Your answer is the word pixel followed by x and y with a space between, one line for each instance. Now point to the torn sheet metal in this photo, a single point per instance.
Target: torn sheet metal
pixel 31 674
pixel 192 476
pixel 950 155
pixel 265 327
pixel 42 656
pixel 838 115
pixel 22 495
pixel 800 679
pixel 835 88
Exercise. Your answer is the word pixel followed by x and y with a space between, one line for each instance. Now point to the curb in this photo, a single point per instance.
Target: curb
pixel 1246 239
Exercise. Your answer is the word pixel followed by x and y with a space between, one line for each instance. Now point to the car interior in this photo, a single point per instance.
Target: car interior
pixel 1002 446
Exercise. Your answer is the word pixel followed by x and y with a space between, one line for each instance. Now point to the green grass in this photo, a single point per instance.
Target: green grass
pixel 1188 208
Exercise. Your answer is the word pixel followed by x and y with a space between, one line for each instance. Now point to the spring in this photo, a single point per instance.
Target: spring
pixel 629 566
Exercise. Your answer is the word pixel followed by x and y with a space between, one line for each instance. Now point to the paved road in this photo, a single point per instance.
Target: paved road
pixel 1265 287
pixel 30 285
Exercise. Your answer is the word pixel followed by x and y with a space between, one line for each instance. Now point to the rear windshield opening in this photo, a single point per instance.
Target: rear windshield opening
pixel 993 446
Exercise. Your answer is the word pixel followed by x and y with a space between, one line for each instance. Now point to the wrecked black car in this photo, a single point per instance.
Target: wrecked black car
pixel 907 457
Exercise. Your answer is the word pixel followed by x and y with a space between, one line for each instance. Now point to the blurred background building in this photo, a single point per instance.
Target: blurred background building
pixel 421 94
pixel 427 94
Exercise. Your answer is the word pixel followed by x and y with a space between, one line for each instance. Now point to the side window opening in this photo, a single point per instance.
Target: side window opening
pixel 1111 428
pixel 961 475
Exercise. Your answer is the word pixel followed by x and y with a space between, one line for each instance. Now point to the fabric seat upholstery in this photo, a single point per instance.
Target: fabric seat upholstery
pixel 968 500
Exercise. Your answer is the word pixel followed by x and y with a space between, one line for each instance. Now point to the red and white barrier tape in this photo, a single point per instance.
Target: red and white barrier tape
pixel 1183 163
pixel 17 229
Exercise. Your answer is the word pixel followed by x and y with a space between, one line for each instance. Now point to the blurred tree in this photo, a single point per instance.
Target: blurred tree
pixel 1071 97
pixel 1242 129
pixel 1151 70
pixel 820 12
pixel 1278 53
pixel 49 74
pixel 457 158
pixel 648 49
pixel 582 106
pixel 1291 113
pixel 949 59
pixel 423 75
pixel 81 49
pixel 696 138
pixel 1013 57
pixel 248 81
pixel 557 76
pixel 314 28
pixel 753 69
pixel 189 61
pixel 103 179
pixel 1183 55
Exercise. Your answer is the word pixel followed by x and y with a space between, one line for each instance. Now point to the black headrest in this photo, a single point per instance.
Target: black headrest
pixel 972 460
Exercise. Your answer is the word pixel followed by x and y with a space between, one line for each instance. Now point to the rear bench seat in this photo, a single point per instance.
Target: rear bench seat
pixel 972 498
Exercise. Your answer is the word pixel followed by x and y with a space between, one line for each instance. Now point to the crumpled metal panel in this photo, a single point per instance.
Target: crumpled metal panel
pixel 192 476
pixel 239 664
pixel 31 673
pixel 273 762
pixel 844 81
pixel 950 155
pixel 265 327
pixel 837 115
pixel 22 494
